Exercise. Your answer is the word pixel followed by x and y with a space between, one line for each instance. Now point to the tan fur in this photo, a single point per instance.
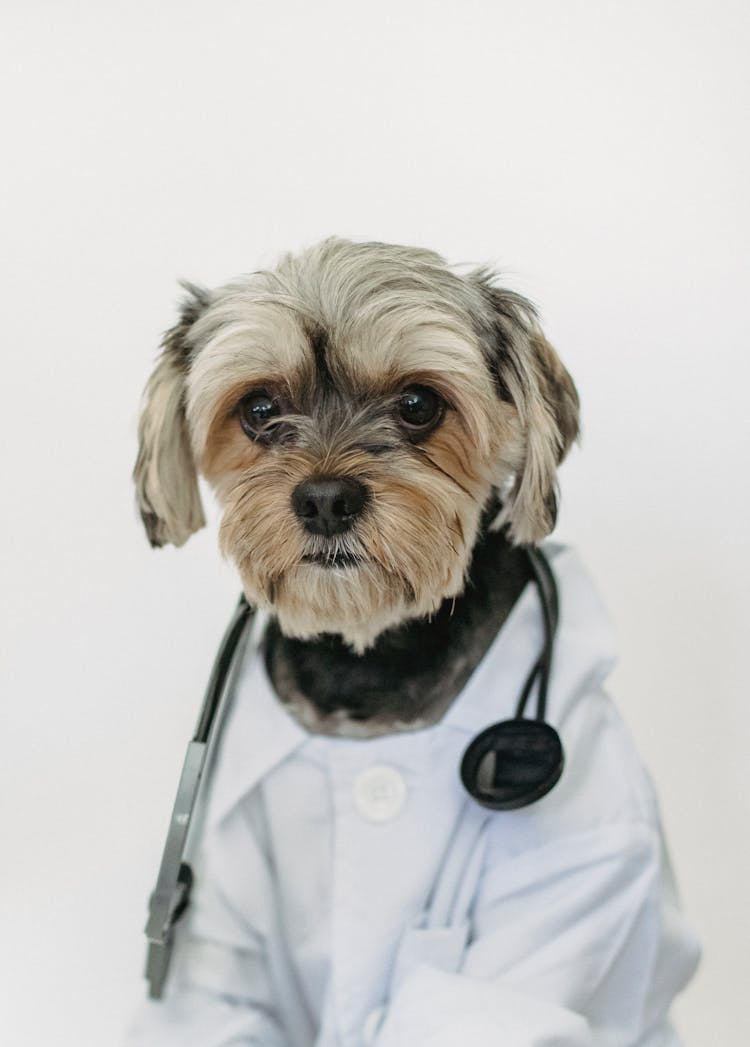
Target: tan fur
pixel 547 404
pixel 414 511
pixel 390 317
pixel 165 476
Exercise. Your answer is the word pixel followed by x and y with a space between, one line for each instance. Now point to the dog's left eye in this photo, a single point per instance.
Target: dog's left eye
pixel 420 408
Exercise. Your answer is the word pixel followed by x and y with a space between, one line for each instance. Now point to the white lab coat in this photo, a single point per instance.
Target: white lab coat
pixel 347 892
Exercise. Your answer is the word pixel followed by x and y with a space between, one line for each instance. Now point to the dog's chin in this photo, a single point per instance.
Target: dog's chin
pixel 335 560
pixel 347 595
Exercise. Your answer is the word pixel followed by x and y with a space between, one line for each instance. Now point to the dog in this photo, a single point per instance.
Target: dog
pixel 382 433
pixel 356 410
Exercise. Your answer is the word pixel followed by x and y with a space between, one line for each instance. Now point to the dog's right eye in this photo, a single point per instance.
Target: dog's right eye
pixel 420 409
pixel 256 409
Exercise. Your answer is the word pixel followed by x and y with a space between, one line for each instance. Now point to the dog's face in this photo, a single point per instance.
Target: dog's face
pixel 354 410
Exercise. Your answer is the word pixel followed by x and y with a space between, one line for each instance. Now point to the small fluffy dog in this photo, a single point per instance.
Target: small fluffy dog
pixel 383 433
pixel 365 415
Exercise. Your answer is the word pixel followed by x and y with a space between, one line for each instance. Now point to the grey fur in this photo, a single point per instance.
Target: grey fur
pixel 164 474
pixel 344 288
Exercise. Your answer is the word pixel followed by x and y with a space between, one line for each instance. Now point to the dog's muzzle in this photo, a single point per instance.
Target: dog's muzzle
pixel 329 505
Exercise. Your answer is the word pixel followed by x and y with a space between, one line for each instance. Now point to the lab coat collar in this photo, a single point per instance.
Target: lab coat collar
pixel 258 732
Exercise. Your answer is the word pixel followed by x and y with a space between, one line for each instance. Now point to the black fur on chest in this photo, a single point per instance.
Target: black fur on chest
pixel 410 676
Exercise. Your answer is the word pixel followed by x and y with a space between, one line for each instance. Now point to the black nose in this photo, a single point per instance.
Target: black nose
pixel 330 504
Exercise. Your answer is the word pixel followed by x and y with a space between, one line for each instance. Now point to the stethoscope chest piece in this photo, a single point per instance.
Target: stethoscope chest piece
pixel 516 762
pixel 512 764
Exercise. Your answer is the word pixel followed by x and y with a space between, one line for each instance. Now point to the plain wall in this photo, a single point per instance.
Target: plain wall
pixel 597 153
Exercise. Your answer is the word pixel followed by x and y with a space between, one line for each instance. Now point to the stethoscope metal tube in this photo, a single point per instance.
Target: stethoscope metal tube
pixel 509 765
pixel 172 892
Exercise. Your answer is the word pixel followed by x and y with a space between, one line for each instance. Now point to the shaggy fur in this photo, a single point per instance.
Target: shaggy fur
pixel 411 674
pixel 334 335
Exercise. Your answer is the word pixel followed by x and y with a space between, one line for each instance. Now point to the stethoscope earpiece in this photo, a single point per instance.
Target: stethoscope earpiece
pixel 512 763
pixel 516 762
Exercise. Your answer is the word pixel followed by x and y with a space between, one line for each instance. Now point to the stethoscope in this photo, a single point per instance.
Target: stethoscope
pixel 509 765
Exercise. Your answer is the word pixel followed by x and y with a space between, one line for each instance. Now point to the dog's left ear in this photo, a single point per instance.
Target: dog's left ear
pixel 165 475
pixel 531 376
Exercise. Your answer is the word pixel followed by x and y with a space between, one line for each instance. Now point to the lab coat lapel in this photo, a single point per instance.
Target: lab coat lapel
pixel 257 734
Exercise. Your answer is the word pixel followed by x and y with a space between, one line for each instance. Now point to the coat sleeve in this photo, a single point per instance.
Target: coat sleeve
pixel 576 944
pixel 219 989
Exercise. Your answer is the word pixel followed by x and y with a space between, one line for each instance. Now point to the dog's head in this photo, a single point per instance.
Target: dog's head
pixel 354 410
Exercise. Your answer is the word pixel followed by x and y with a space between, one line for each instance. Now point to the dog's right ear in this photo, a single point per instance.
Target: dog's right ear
pixel 165 475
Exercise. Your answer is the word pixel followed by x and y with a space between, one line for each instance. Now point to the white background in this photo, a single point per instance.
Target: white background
pixel 598 152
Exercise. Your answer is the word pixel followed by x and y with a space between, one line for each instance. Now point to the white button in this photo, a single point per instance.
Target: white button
pixel 380 793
